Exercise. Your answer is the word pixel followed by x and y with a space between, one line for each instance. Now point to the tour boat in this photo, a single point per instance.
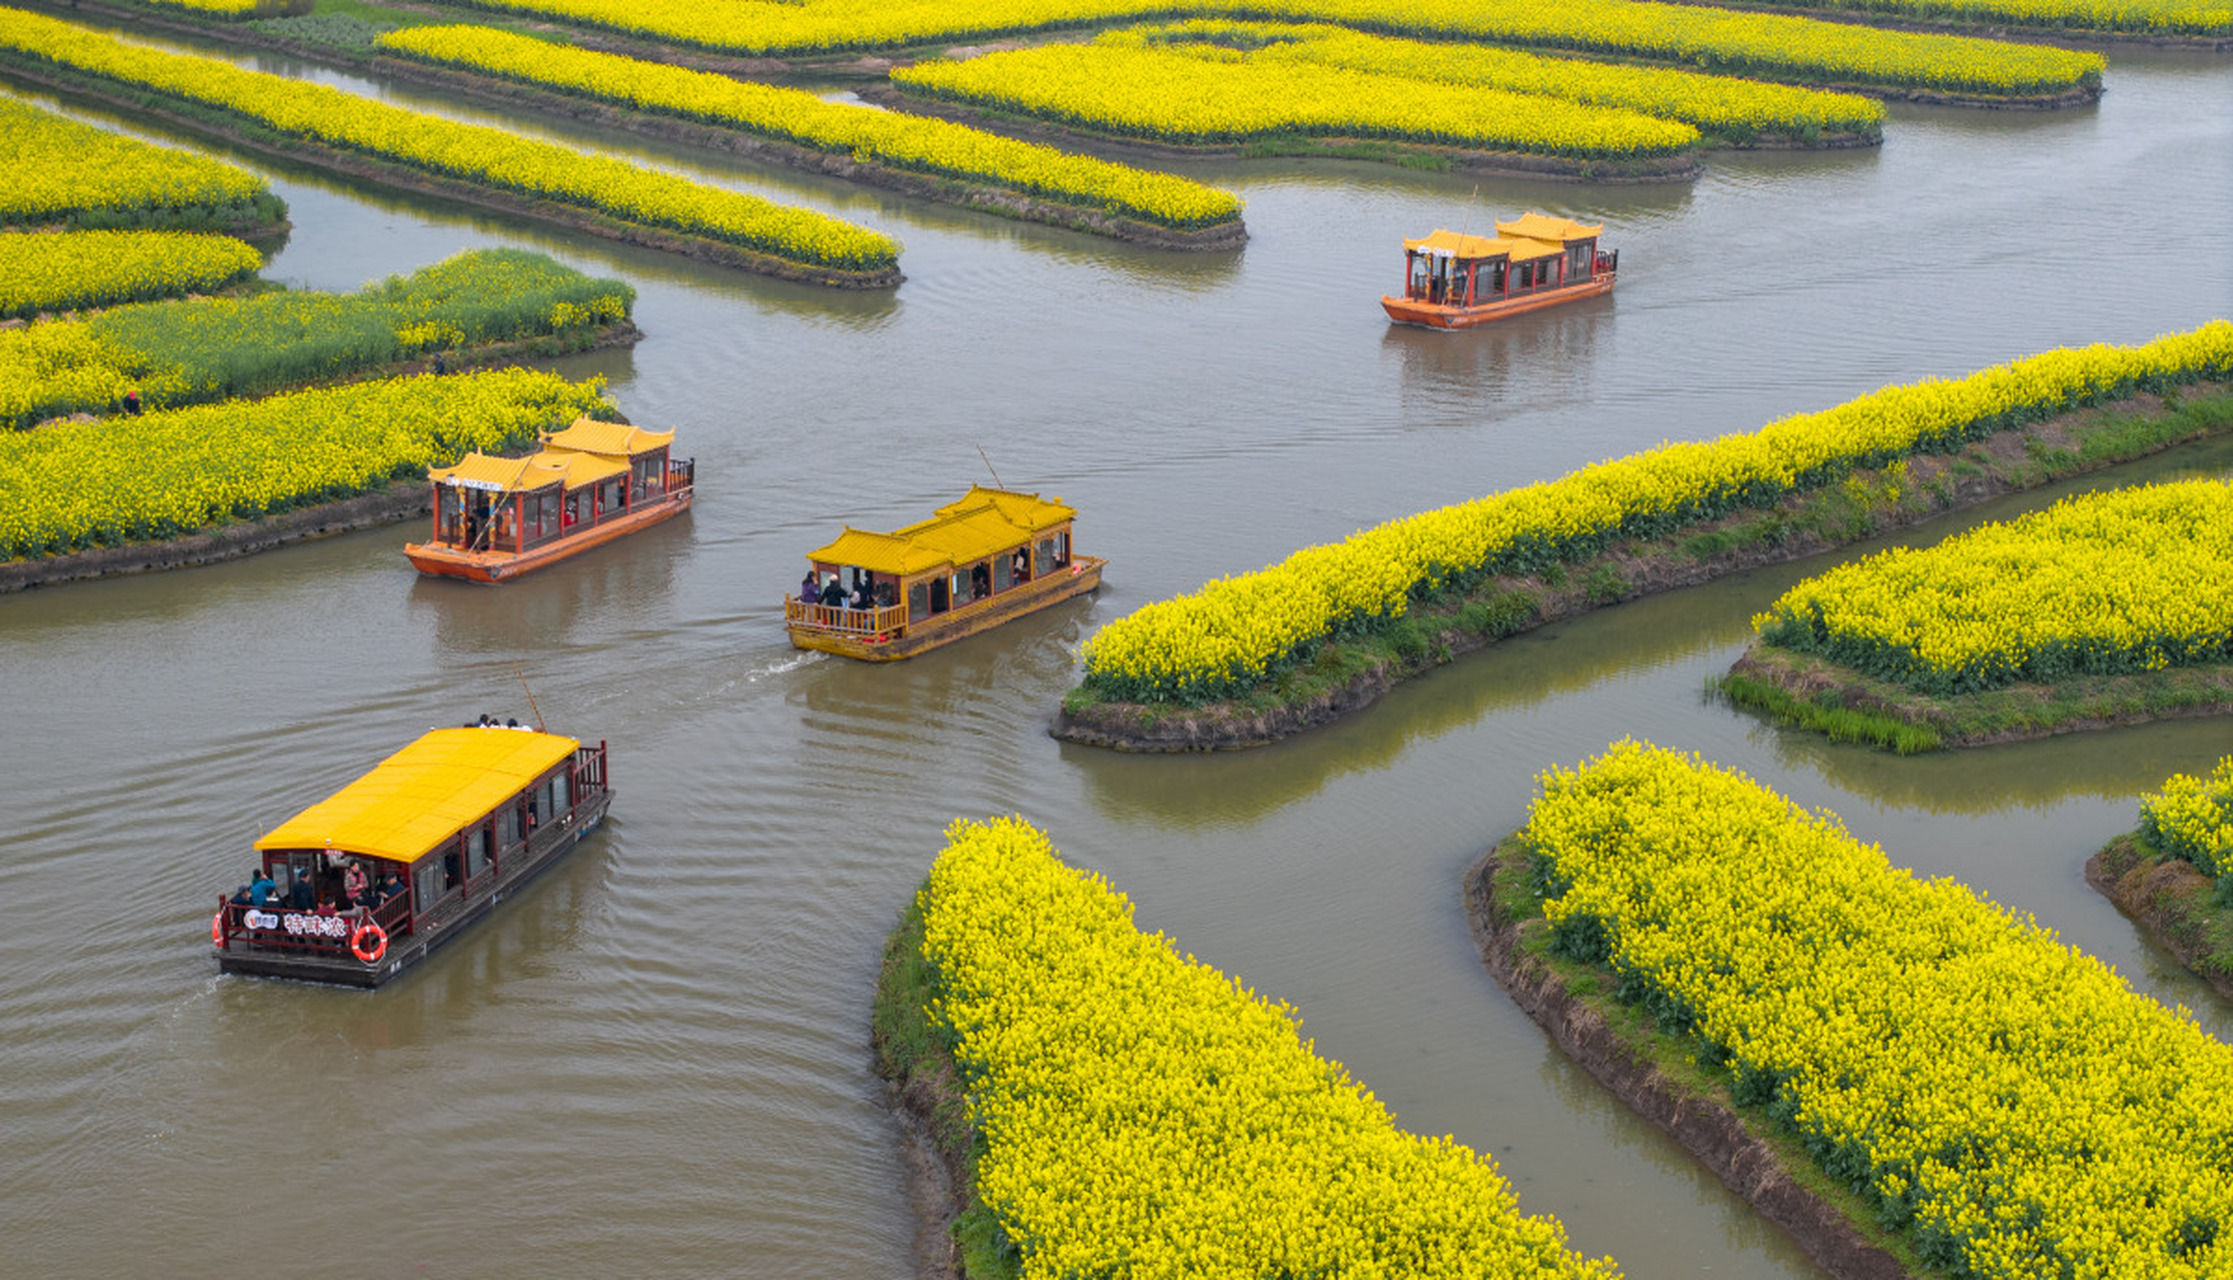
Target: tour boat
pixel 1457 281
pixel 460 818
pixel 989 557
pixel 497 518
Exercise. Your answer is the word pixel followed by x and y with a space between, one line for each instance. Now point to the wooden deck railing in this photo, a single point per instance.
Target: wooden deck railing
pixel 831 617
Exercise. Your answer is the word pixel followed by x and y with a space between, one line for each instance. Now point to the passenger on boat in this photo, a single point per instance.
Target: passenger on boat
pixel 863 598
pixel 833 593
pixel 1022 567
pixel 242 897
pixel 354 882
pixel 980 582
pixel 391 888
pixel 810 588
pixel 301 895
pixel 261 890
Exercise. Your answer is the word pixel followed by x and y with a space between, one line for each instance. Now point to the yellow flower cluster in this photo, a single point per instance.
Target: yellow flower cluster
pixel 57 168
pixel 99 268
pixel 2098 584
pixel 2192 818
pixel 2006 1101
pixel 227 8
pixel 1235 633
pixel 1720 106
pixel 199 349
pixel 473 153
pixel 2138 17
pixel 1768 46
pixel 1168 95
pixel 73 485
pixel 1144 1115
pixel 800 117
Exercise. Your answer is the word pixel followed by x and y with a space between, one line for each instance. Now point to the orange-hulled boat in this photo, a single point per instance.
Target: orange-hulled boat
pixel 1456 281
pixel 988 558
pixel 497 518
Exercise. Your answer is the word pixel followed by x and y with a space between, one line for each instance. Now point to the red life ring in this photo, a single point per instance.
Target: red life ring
pixel 217 929
pixel 379 947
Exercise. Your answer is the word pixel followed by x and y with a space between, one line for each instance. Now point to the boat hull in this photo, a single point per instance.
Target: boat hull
pixel 441 561
pixel 956 624
pixel 1435 315
pixel 243 956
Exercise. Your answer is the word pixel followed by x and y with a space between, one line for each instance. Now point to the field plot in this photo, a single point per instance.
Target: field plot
pixel 1176 96
pixel 798 117
pixel 1724 108
pixel 98 484
pixel 72 269
pixel 1765 46
pixel 63 172
pixel 197 350
pixel 2005 1103
pixel 617 191
pixel 1133 1104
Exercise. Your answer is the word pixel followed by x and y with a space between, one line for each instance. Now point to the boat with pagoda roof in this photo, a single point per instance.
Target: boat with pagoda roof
pixel 1456 281
pixel 363 884
pixel 497 518
pixel 987 558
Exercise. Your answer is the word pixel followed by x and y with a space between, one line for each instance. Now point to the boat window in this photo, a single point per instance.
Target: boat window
pixel 1003 572
pixel 976 584
pixel 507 826
pixel 432 880
pixel 476 851
pixel 1043 557
pixel 941 597
pixel 448 515
pixel 918 602
pixel 561 794
pixel 1062 547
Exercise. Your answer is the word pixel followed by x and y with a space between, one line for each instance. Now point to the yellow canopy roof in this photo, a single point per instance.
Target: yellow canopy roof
pixel 415 800
pixel 611 439
pixel 522 475
pixel 1451 244
pixel 983 522
pixel 1542 226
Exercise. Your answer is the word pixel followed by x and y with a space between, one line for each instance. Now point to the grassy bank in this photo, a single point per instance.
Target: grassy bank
pixel 915 1057
pixel 2186 912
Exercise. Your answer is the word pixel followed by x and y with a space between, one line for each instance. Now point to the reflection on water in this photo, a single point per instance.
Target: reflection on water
pixel 1538 362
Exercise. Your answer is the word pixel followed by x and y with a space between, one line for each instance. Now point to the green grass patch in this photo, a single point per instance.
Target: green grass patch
pixel 1825 715
pixel 2192 915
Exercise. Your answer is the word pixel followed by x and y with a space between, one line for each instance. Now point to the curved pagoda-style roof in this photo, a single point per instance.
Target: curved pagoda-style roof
pixel 415 800
pixel 606 439
pixel 981 523
pixel 522 475
pixel 1523 239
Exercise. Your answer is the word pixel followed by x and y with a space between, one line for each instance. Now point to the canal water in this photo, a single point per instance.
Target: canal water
pixel 655 1061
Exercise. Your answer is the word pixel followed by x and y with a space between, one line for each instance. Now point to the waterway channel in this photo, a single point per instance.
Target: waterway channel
pixel 655 1061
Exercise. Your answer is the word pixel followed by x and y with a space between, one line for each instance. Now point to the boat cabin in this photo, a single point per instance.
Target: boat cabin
pixel 495 517
pixel 980 560
pixel 1530 261
pixel 358 886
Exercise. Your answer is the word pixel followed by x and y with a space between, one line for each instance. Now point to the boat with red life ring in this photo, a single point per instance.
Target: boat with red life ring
pixel 1458 281
pixel 443 830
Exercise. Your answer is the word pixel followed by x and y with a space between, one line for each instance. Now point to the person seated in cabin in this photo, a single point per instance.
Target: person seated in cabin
pixel 980 582
pixel 833 593
pixel 1022 566
pixel 863 598
pixel 301 895
pixel 391 887
pixel 261 891
pixel 887 595
pixel 810 588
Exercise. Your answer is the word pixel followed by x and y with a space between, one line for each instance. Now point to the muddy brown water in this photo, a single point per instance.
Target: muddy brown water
pixel 655 1061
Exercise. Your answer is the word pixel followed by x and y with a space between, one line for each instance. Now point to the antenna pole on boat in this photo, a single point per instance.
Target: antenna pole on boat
pixel 1467 225
pixel 530 697
pixel 988 466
